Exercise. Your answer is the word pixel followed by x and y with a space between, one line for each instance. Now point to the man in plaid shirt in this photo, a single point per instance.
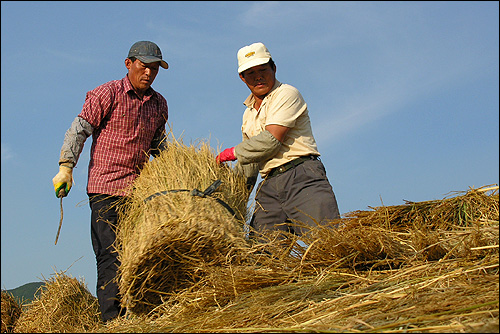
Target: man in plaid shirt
pixel 126 119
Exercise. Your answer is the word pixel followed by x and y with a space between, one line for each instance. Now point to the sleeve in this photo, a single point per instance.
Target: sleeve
pixel 97 105
pixel 257 148
pixel 286 107
pixel 74 139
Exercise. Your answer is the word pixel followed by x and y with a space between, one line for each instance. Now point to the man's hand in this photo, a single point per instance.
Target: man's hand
pixel 63 180
pixel 226 155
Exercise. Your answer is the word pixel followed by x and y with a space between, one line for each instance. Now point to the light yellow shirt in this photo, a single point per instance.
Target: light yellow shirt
pixel 285 106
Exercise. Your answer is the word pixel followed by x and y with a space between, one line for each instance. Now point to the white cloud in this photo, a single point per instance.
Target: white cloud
pixel 360 110
pixel 386 69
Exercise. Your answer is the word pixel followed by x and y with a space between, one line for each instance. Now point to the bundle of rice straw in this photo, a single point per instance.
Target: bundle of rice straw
pixel 167 234
pixel 464 226
pixel 64 305
pixel 11 310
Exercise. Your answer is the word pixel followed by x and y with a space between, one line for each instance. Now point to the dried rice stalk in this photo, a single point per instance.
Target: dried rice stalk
pixel 465 226
pixel 167 237
pixel 366 275
pixel 465 209
pixel 64 305
pixel 11 310
pixel 436 297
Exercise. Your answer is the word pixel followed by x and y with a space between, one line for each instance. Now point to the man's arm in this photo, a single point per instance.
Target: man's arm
pixel 74 139
pixel 278 131
pixel 257 148
pixel 72 147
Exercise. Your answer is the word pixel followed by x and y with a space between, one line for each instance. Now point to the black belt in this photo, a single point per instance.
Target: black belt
pixel 290 164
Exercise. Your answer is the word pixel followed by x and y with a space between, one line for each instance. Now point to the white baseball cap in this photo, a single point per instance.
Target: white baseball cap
pixel 252 55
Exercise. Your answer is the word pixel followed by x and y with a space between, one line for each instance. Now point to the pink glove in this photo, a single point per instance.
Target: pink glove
pixel 226 155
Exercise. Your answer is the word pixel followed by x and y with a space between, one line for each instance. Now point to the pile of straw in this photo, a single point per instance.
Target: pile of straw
pixel 11 310
pixel 419 267
pixel 426 297
pixel 166 237
pixel 464 226
pixel 425 267
pixel 64 305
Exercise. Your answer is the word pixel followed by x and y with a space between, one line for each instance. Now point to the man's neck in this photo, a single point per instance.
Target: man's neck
pixel 258 101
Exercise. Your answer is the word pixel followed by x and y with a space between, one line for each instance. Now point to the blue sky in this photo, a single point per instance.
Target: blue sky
pixel 403 99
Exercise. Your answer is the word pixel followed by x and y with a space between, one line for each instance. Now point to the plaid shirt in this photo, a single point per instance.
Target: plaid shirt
pixel 124 128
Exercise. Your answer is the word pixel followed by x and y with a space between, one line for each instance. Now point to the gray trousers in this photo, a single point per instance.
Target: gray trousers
pixel 301 194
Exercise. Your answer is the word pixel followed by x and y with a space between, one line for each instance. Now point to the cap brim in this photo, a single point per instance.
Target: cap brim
pixel 151 59
pixel 252 63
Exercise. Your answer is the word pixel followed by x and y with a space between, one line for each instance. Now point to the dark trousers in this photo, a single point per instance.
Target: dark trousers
pixel 104 219
pixel 301 194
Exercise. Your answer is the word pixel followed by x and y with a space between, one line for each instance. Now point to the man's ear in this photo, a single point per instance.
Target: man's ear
pixel 128 63
pixel 242 77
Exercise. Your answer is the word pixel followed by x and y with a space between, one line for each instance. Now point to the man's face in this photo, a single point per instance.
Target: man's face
pixel 259 79
pixel 141 75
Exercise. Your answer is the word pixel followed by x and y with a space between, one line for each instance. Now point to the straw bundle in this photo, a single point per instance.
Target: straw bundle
pixel 465 226
pixel 11 310
pixel 167 236
pixel 465 209
pixel 64 305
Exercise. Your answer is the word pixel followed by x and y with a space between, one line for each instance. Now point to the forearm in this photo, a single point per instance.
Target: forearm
pixel 74 139
pixel 258 148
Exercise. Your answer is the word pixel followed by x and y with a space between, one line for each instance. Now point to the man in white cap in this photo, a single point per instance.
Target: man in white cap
pixel 278 142
pixel 125 118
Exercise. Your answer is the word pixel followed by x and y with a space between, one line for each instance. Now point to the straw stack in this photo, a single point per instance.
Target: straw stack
pixel 166 236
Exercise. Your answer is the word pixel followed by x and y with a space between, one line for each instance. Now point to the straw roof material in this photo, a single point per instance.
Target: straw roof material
pixel 440 297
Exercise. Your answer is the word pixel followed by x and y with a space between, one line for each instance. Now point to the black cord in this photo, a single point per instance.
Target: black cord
pixel 195 192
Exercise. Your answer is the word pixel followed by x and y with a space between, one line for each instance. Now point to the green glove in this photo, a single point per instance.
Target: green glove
pixel 63 181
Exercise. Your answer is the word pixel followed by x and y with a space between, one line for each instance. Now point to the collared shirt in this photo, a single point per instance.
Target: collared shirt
pixel 124 127
pixel 283 106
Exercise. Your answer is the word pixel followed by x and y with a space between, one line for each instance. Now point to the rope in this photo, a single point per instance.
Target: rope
pixel 196 192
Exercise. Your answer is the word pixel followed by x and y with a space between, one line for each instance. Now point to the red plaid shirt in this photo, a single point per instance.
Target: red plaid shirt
pixel 124 127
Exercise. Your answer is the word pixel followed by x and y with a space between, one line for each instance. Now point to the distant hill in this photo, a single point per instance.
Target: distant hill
pixel 25 293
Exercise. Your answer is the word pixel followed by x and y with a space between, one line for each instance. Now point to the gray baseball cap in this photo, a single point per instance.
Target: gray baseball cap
pixel 147 52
